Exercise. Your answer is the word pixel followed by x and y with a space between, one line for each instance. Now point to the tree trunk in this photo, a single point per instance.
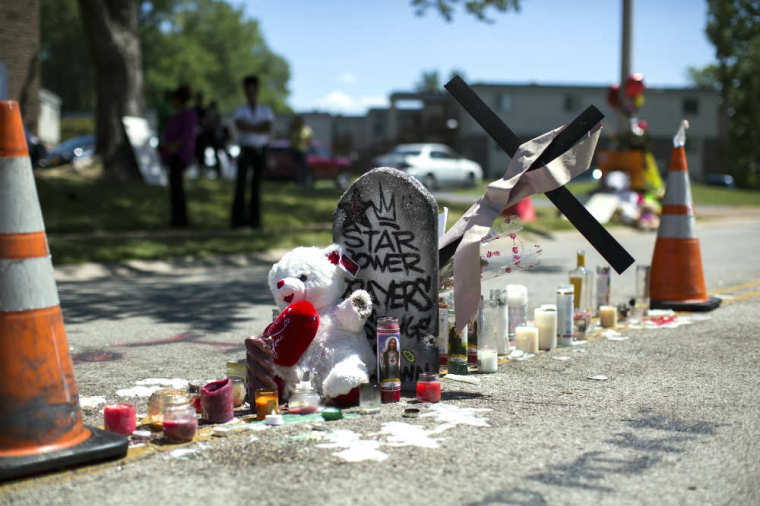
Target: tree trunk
pixel 111 29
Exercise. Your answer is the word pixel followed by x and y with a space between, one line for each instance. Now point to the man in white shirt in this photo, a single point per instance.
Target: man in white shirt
pixel 254 124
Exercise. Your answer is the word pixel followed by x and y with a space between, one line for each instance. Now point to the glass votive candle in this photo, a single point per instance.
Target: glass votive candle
pixel 179 421
pixel 158 401
pixel 428 387
pixel 369 398
pixel 120 418
pixel 238 391
pixel 266 402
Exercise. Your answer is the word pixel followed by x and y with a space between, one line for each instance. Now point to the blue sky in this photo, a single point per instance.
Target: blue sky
pixel 347 55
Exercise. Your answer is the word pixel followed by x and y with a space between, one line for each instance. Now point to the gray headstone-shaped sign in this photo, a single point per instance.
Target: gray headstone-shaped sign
pixel 387 222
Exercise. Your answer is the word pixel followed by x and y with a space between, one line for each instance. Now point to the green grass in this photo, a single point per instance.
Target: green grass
pixel 715 195
pixel 89 219
pixel 93 220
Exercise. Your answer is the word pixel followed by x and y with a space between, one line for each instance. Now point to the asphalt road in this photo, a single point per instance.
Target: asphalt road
pixel 676 422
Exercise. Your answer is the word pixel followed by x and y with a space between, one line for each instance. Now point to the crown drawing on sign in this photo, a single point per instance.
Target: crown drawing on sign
pixel 385 210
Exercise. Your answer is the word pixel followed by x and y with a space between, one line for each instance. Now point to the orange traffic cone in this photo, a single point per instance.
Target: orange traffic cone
pixel 40 420
pixel 676 278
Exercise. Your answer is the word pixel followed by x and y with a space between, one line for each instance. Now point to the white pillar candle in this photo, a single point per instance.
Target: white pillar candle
pixel 608 316
pixel 488 360
pixel 545 319
pixel 526 339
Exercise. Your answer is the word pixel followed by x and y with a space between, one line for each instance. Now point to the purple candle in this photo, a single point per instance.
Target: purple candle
pixel 216 401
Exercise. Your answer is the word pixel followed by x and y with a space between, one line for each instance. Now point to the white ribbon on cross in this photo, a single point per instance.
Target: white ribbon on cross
pixel 516 184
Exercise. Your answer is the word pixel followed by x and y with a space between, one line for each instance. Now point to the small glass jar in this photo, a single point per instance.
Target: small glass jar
pixel 267 402
pixel 428 387
pixel 159 400
pixel 369 398
pixel 238 391
pixel 179 421
pixel 304 401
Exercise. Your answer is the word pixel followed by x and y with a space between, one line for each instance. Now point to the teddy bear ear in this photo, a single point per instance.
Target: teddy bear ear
pixel 336 256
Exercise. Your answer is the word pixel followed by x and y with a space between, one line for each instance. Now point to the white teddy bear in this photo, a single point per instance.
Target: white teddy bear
pixel 339 358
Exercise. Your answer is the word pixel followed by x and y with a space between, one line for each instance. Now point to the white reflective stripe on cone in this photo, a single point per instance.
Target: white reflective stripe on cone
pixel 19 206
pixel 678 191
pixel 27 284
pixel 677 226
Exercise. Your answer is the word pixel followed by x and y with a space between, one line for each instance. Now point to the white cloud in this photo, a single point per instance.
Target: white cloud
pixel 342 102
pixel 347 78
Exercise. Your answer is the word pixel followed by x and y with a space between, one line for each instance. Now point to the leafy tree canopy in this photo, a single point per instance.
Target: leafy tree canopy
pixel 208 44
pixel 477 8
pixel 733 27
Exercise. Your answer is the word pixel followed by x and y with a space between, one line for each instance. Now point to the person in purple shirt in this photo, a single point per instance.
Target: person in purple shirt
pixel 177 151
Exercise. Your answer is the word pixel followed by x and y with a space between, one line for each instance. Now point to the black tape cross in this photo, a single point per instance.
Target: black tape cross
pixel 562 198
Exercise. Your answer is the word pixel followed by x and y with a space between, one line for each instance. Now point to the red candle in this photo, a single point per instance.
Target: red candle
pixel 181 429
pixel 390 395
pixel 428 388
pixel 120 418
pixel 302 410
pixel 216 401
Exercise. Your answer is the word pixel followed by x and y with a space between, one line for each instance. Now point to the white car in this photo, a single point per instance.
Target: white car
pixel 433 164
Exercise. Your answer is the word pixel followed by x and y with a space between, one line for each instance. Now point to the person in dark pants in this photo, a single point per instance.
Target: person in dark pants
pixel 177 150
pixel 254 123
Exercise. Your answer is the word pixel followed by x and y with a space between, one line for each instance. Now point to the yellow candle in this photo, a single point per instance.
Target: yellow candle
pixel 526 339
pixel 608 316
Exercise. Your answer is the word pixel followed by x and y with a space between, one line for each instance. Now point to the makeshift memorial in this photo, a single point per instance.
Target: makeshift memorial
pixel 266 402
pixel 120 418
pixel 545 318
pixel 369 398
pixel 608 316
pixel 216 401
pixel 517 301
pixel 179 421
pixel 389 359
pixel 565 315
pixel 428 387
pixel 602 286
pixel 320 330
pixel 388 223
pixel 543 164
pixel 526 339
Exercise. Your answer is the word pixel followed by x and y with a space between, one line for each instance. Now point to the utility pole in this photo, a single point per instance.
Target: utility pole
pixel 625 59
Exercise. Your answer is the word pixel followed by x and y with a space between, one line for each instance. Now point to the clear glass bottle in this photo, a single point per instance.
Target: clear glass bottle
pixel 641 301
pixel 578 279
pixel 305 399
pixel 457 346
pixel 443 330
pixel 179 420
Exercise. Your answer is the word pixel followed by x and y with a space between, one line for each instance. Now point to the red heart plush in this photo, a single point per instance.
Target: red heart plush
pixel 292 332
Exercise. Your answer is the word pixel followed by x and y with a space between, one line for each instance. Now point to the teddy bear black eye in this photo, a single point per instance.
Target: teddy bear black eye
pixel 303 278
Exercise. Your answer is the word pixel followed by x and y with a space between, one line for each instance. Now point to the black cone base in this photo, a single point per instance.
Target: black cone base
pixel 708 305
pixel 100 446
